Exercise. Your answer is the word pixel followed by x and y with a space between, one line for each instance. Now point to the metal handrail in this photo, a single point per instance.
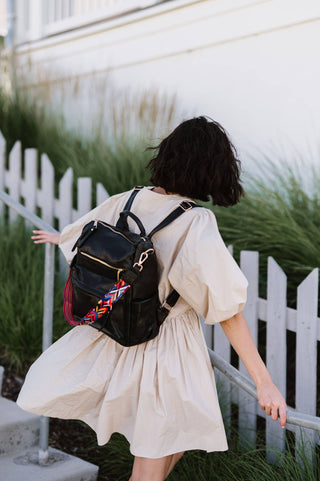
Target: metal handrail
pixel 43 455
pixel 236 377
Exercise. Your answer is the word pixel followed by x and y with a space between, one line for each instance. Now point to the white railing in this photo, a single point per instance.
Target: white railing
pixel 274 315
pixel 36 19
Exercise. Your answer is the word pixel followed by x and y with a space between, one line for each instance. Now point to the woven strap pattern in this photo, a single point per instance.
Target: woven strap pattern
pixel 105 303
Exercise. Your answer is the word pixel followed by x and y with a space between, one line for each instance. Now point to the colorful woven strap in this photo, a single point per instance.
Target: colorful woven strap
pixel 105 303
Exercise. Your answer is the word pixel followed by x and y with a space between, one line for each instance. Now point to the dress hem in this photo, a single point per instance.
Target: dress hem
pixel 137 452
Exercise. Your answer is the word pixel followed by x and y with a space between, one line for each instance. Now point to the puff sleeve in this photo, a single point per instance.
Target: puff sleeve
pixel 205 273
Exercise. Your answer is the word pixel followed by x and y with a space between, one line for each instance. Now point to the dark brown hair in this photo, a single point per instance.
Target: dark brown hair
pixel 198 160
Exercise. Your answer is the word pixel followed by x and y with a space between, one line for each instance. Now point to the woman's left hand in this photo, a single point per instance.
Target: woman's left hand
pixel 43 236
pixel 272 402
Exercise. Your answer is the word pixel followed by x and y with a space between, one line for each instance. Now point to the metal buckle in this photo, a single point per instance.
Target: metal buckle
pixel 190 205
pixel 166 306
pixel 143 257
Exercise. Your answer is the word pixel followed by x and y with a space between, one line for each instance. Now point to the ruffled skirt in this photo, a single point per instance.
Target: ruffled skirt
pixel 160 394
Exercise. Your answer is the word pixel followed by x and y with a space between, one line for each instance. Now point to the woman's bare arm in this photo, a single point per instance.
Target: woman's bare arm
pixel 42 236
pixel 269 397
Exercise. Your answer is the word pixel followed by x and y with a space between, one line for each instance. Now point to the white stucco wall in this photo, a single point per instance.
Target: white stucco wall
pixel 252 65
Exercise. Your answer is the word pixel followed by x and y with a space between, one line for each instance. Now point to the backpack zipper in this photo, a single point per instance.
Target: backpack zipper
pixel 115 231
pixel 104 263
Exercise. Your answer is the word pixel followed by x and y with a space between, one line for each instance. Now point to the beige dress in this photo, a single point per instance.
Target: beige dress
pixel 160 394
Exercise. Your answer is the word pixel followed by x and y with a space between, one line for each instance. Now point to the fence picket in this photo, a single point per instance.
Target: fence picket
pixel 207 332
pixel 47 188
pixel 249 262
pixel 64 213
pixel 276 349
pixel 222 347
pixel 14 177
pixel 306 357
pixel 102 194
pixel 29 191
pixel 84 197
pixel 2 167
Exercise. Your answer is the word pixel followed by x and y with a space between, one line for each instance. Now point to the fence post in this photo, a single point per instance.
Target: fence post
pixel 249 262
pixel 47 339
pixel 276 349
pixel 306 358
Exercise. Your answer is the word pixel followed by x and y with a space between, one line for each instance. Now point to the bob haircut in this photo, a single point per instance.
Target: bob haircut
pixel 198 160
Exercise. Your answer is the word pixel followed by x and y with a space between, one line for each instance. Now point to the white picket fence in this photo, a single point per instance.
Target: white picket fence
pixel 304 322
pixel 21 180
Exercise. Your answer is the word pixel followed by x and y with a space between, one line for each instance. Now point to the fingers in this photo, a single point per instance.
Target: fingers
pixel 272 402
pixel 268 410
pixel 43 236
pixel 276 411
pixel 283 416
pixel 40 236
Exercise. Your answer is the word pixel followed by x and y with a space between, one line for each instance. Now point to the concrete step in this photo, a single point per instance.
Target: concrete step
pixel 61 467
pixel 19 439
pixel 18 429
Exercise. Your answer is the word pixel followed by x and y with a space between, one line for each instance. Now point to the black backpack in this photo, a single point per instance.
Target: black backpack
pixel 107 254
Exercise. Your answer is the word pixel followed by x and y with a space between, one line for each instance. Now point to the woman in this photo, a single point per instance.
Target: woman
pixel 161 394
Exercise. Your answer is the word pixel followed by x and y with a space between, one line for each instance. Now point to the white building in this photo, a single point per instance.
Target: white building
pixel 253 65
pixel 2 18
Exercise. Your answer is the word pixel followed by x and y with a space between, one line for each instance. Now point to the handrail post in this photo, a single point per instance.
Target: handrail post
pixel 48 294
pixel 47 339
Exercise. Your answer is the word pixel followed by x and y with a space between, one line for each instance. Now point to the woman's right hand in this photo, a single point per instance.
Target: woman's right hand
pixel 43 236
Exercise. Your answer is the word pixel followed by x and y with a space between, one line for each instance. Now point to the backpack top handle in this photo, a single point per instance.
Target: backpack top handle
pixel 124 221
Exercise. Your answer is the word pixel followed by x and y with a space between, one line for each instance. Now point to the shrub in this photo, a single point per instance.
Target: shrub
pixel 111 151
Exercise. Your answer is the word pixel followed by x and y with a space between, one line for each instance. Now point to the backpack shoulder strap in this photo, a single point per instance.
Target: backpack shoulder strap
pixel 132 197
pixel 184 206
pixel 174 295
